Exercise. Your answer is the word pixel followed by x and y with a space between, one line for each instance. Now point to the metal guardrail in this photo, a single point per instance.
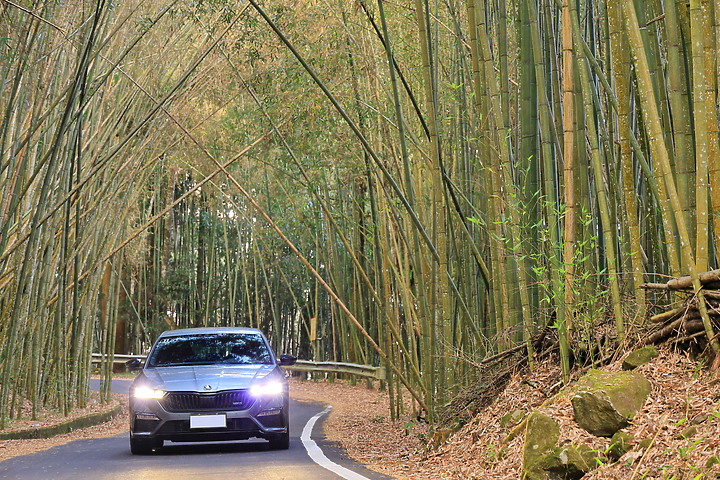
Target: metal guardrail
pixel 117 358
pixel 377 373
pixel 368 371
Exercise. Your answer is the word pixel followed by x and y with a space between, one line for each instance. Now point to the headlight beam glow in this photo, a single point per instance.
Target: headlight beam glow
pixel 270 388
pixel 148 393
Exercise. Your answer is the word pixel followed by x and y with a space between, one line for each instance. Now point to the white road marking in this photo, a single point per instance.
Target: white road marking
pixel 317 455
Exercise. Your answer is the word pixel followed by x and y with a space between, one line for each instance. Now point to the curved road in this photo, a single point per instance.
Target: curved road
pixel 110 458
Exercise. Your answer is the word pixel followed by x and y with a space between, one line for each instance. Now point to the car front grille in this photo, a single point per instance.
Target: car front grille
pixel 196 402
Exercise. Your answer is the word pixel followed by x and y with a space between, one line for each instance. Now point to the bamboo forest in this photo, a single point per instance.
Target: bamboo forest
pixel 418 185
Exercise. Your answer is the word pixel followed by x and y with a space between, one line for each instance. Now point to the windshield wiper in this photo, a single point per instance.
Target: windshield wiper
pixel 187 364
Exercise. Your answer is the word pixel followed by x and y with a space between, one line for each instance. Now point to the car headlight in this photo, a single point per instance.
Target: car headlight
pixel 269 388
pixel 147 392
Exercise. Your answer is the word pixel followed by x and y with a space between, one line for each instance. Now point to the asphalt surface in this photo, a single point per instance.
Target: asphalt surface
pixel 110 458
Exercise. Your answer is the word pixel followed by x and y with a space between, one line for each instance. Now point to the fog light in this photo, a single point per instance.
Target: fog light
pixel 266 413
pixel 146 416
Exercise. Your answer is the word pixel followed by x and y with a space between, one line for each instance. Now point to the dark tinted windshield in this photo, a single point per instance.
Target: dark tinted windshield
pixel 205 349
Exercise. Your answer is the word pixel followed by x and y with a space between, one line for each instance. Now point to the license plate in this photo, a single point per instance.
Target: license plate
pixel 208 421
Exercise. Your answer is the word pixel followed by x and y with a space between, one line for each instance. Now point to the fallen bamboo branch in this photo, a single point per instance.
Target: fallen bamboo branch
pixel 686 282
pixel 694 314
pixel 503 353
pixel 664 332
pixel 716 363
pixel 688 324
pixel 669 315
pixel 715 294
pixel 692 325
pixel 688 337
pixel 699 313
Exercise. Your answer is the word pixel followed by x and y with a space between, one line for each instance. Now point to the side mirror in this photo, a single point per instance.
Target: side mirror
pixel 287 360
pixel 133 365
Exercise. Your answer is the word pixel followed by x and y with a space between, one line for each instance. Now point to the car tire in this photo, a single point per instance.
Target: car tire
pixel 280 442
pixel 143 446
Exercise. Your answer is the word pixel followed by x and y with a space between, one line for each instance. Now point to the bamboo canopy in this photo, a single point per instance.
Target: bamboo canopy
pixel 419 186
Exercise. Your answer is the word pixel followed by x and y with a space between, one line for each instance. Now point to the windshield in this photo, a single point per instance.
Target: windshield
pixel 208 349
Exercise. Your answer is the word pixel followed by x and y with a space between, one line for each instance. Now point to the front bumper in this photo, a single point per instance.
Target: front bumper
pixel 264 418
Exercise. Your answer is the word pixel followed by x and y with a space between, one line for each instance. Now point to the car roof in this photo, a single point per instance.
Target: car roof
pixel 209 331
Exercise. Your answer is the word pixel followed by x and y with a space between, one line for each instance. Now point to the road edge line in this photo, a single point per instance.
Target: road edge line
pixel 316 454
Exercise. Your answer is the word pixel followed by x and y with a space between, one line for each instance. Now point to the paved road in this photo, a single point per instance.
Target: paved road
pixel 110 458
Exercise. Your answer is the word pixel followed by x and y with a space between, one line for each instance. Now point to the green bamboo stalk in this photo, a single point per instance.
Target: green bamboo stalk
pixel 441 323
pixel 557 274
pixel 504 321
pixel 621 74
pixel 409 188
pixel 528 148
pixel 698 29
pixel 608 225
pixel 712 98
pixel 569 161
pixel 684 151
pixel 713 153
pixel 502 46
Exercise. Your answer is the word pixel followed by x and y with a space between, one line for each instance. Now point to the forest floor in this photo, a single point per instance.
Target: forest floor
pixel 14 448
pixel 683 391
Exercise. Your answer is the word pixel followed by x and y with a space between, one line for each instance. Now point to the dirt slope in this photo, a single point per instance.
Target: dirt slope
pixel 682 392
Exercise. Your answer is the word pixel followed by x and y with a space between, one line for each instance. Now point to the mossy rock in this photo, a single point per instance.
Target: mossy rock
pixel 639 357
pixel 698 419
pixel 688 433
pixel 712 461
pixel 606 402
pixel 570 462
pixel 541 435
pixel 513 418
pixel 645 443
pixel 620 444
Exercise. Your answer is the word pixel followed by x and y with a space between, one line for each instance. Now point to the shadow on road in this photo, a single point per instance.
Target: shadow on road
pixel 170 448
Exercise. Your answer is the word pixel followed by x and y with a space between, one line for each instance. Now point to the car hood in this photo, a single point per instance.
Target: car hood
pixel 207 378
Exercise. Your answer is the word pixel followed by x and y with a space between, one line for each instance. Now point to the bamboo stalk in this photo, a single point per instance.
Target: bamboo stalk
pixel 680 108
pixel 621 74
pixel 700 121
pixel 549 175
pixel 569 161
pixel 601 191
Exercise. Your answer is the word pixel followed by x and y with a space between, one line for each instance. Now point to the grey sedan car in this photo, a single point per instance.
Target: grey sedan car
pixel 210 384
